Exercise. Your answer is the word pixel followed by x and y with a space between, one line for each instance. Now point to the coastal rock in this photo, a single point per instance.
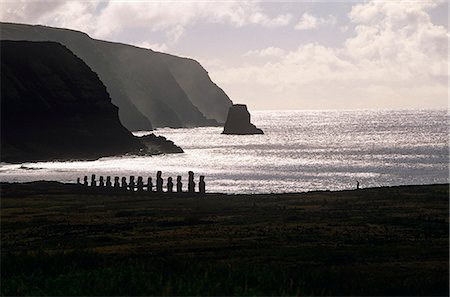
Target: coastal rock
pixel 151 89
pixel 159 145
pixel 238 121
pixel 54 107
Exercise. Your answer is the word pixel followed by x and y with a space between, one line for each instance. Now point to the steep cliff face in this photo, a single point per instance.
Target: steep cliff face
pixel 53 106
pixel 140 82
pixel 195 81
pixel 85 48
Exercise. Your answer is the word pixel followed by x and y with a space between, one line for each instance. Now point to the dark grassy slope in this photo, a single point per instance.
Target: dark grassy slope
pixel 139 82
pixel 53 106
pixel 382 241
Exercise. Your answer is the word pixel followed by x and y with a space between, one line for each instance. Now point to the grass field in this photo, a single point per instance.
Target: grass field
pixel 60 240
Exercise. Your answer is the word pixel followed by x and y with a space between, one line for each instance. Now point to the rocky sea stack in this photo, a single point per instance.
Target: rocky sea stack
pixel 238 121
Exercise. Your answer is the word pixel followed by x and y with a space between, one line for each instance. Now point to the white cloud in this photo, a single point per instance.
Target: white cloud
pixel 308 21
pixel 159 47
pixel 103 19
pixel 266 52
pixel 76 15
pixel 395 56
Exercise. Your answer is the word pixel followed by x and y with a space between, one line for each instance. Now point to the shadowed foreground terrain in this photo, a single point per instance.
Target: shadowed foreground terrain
pixel 60 240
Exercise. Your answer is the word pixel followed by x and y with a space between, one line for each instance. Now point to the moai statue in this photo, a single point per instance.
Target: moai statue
pixel 191 183
pixel 78 181
pixel 93 182
pixel 102 182
pixel 179 184
pixel 85 180
pixel 108 182
pixel 149 184
pixel 159 182
pixel 201 184
pixel 140 184
pixel 132 184
pixel 124 182
pixel 169 185
pixel 116 182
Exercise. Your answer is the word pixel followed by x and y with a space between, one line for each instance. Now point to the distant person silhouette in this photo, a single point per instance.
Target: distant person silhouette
pixel 179 184
pixel 191 183
pixel 159 182
pixel 78 181
pixel 201 184
pixel 169 185
pixel 357 185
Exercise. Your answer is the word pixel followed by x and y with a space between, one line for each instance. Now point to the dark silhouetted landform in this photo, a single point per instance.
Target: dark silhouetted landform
pixel 151 89
pixel 390 241
pixel 54 107
pixel 238 121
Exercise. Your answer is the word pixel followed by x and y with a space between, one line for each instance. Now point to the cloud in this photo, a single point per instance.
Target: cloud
pixel 396 55
pixel 308 21
pixel 103 19
pixel 159 47
pixel 78 15
pixel 266 52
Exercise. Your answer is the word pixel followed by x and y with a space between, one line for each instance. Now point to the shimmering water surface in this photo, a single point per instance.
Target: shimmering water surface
pixel 300 151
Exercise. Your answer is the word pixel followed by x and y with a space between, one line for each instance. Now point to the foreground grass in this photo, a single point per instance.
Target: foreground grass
pixel 387 241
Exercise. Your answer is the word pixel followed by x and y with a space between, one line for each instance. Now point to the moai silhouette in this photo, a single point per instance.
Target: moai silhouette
pixel 93 182
pixel 85 180
pixel 201 184
pixel 140 184
pixel 131 184
pixel 179 184
pixel 149 184
pixel 169 185
pixel 124 182
pixel 108 181
pixel 102 182
pixel 191 183
pixel 116 182
pixel 78 181
pixel 159 182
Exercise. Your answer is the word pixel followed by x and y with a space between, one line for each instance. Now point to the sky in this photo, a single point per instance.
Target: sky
pixel 280 55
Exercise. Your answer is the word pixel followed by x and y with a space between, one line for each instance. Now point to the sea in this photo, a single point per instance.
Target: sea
pixel 300 151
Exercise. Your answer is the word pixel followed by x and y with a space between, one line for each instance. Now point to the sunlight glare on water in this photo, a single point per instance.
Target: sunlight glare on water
pixel 300 151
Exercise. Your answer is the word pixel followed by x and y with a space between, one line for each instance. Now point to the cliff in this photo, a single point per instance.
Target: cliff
pixel 238 121
pixel 210 99
pixel 149 90
pixel 54 107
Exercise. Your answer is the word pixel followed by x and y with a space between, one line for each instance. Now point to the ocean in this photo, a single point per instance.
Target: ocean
pixel 300 151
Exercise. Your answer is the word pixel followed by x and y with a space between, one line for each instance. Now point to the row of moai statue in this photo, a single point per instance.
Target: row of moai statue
pixel 139 185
